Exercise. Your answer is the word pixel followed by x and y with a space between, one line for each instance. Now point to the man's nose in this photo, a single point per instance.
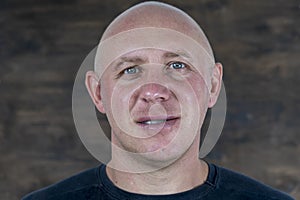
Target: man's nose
pixel 153 93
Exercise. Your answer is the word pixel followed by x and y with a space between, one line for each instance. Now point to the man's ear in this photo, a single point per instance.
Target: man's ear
pixel 92 84
pixel 216 84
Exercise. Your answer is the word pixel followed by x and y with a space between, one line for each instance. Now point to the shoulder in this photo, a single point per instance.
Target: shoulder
pixel 82 183
pixel 237 184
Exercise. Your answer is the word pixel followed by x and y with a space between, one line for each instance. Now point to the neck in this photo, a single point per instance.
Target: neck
pixel 182 175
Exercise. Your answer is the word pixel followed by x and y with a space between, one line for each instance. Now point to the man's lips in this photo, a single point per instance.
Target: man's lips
pixel 156 120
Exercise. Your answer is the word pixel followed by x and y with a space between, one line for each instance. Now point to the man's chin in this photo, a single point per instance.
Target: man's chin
pixel 159 153
pixel 147 158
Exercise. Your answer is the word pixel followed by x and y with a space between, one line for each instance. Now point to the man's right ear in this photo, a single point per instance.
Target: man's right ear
pixel 92 84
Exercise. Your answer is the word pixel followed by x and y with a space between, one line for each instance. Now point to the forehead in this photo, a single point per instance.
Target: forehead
pixel 145 54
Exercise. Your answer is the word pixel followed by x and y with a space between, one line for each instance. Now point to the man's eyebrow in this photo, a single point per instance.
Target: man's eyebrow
pixel 177 54
pixel 125 59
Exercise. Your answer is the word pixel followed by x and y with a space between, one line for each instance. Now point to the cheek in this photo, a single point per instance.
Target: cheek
pixel 200 88
pixel 112 96
pixel 117 98
pixel 106 93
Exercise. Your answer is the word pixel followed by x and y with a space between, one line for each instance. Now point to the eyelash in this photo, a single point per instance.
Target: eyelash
pixel 123 71
pixel 177 62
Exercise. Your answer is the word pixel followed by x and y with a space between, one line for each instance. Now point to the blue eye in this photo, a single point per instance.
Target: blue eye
pixel 177 65
pixel 131 70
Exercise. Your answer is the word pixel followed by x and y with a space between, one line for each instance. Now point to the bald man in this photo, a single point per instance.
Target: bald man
pixel 155 78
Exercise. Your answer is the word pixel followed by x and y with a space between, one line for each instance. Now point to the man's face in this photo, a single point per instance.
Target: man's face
pixel 155 101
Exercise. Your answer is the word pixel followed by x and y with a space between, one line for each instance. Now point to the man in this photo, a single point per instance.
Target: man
pixel 155 77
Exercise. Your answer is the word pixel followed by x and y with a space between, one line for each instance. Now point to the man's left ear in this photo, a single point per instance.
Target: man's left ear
pixel 216 84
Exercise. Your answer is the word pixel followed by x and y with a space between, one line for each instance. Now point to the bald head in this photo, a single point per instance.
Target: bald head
pixel 160 15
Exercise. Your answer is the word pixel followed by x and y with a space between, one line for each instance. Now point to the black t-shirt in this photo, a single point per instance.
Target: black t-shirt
pixel 221 184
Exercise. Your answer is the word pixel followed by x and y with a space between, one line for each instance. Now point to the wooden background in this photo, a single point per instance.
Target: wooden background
pixel 42 44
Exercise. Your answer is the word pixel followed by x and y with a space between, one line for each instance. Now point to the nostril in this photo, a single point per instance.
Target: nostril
pixel 156 97
pixel 159 97
pixel 154 93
